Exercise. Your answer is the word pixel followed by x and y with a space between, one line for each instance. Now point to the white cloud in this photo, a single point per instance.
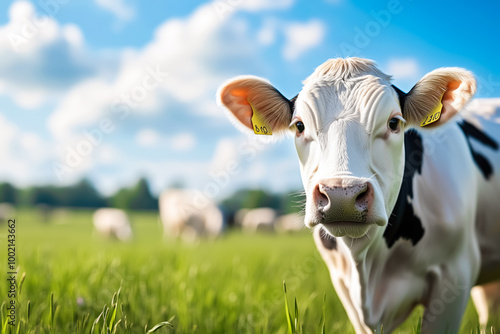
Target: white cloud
pixel 192 57
pixel 225 152
pixel 40 57
pixel 267 34
pixel 258 5
pixel 147 138
pixel 403 69
pixel 182 142
pixel 302 37
pixel 108 155
pixel 119 8
pixel 20 151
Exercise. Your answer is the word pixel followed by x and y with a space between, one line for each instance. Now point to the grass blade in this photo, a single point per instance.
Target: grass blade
pixel 116 326
pixel 296 329
pixel 323 316
pixel 96 321
pixel 160 325
pixel 21 282
pixel 287 311
pixel 51 309
pixel 419 325
pixel 28 310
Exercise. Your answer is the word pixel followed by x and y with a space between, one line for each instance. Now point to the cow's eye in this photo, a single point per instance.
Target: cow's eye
pixel 300 126
pixel 395 122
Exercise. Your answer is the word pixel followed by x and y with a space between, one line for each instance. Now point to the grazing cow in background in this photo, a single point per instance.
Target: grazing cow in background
pixel 403 193
pixel 7 211
pixel 112 223
pixel 289 223
pixel 259 219
pixel 182 216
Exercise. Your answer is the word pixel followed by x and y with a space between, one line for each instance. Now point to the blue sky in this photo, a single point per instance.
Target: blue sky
pixel 117 89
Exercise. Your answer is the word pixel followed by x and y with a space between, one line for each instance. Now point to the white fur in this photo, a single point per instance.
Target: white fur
pixel 112 223
pixel 184 214
pixel 260 219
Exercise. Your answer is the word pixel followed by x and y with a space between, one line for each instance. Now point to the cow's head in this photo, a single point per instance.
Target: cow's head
pixel 349 124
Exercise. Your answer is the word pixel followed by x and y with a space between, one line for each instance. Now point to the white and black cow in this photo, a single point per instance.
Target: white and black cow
pixel 404 214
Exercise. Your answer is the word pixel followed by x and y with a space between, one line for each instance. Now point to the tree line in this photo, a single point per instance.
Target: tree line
pixel 83 194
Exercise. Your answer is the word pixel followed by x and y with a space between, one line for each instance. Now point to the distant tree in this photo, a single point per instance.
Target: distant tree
pixel 138 197
pixel 251 199
pixel 8 193
pixel 44 195
pixel 82 194
pixel 141 197
pixel 120 199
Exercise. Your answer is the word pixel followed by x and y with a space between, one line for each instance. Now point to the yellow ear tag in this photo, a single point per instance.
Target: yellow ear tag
pixel 434 115
pixel 260 127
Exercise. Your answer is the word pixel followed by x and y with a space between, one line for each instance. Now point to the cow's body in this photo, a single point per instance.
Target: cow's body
pixel 183 217
pixel 397 225
pixel 259 219
pixel 485 115
pixel 460 247
pixel 112 223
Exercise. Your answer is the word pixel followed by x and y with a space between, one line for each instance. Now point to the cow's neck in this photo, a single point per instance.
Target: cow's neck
pixel 367 257
pixel 366 265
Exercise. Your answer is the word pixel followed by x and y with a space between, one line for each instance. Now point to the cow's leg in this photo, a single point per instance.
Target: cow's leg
pixel 486 298
pixel 338 266
pixel 446 305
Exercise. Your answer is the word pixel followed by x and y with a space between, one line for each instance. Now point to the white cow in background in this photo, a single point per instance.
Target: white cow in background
pixel 289 223
pixel 183 216
pixel 260 219
pixel 7 211
pixel 112 223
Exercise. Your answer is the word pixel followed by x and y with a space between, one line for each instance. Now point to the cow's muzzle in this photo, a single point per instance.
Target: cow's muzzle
pixel 343 202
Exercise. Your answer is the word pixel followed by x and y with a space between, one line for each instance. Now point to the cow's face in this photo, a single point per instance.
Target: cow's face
pixel 349 125
pixel 349 139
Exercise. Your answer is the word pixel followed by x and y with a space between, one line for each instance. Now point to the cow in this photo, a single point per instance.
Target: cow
pixel 182 215
pixel 291 222
pixel 402 191
pixel 112 223
pixel 7 211
pixel 258 219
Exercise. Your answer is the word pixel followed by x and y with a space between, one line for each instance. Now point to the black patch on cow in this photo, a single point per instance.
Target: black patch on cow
pixel 403 223
pixel 328 241
pixel 470 131
pixel 292 103
pixel 402 98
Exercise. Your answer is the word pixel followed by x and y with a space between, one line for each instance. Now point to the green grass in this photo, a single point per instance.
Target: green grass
pixel 75 281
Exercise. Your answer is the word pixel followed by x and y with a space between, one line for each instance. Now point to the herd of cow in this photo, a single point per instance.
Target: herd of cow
pixel 181 218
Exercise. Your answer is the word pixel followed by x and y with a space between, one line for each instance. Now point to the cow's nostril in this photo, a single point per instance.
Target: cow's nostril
pixel 362 197
pixel 321 195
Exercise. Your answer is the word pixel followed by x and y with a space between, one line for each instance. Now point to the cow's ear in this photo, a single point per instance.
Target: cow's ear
pixel 248 96
pixel 438 96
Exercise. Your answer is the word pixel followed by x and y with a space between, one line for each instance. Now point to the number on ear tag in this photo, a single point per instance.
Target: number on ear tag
pixel 260 127
pixel 433 116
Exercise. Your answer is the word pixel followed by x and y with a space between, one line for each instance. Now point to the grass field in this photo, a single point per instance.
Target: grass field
pixel 230 285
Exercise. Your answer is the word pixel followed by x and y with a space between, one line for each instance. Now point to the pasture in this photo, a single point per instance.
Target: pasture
pixel 230 285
